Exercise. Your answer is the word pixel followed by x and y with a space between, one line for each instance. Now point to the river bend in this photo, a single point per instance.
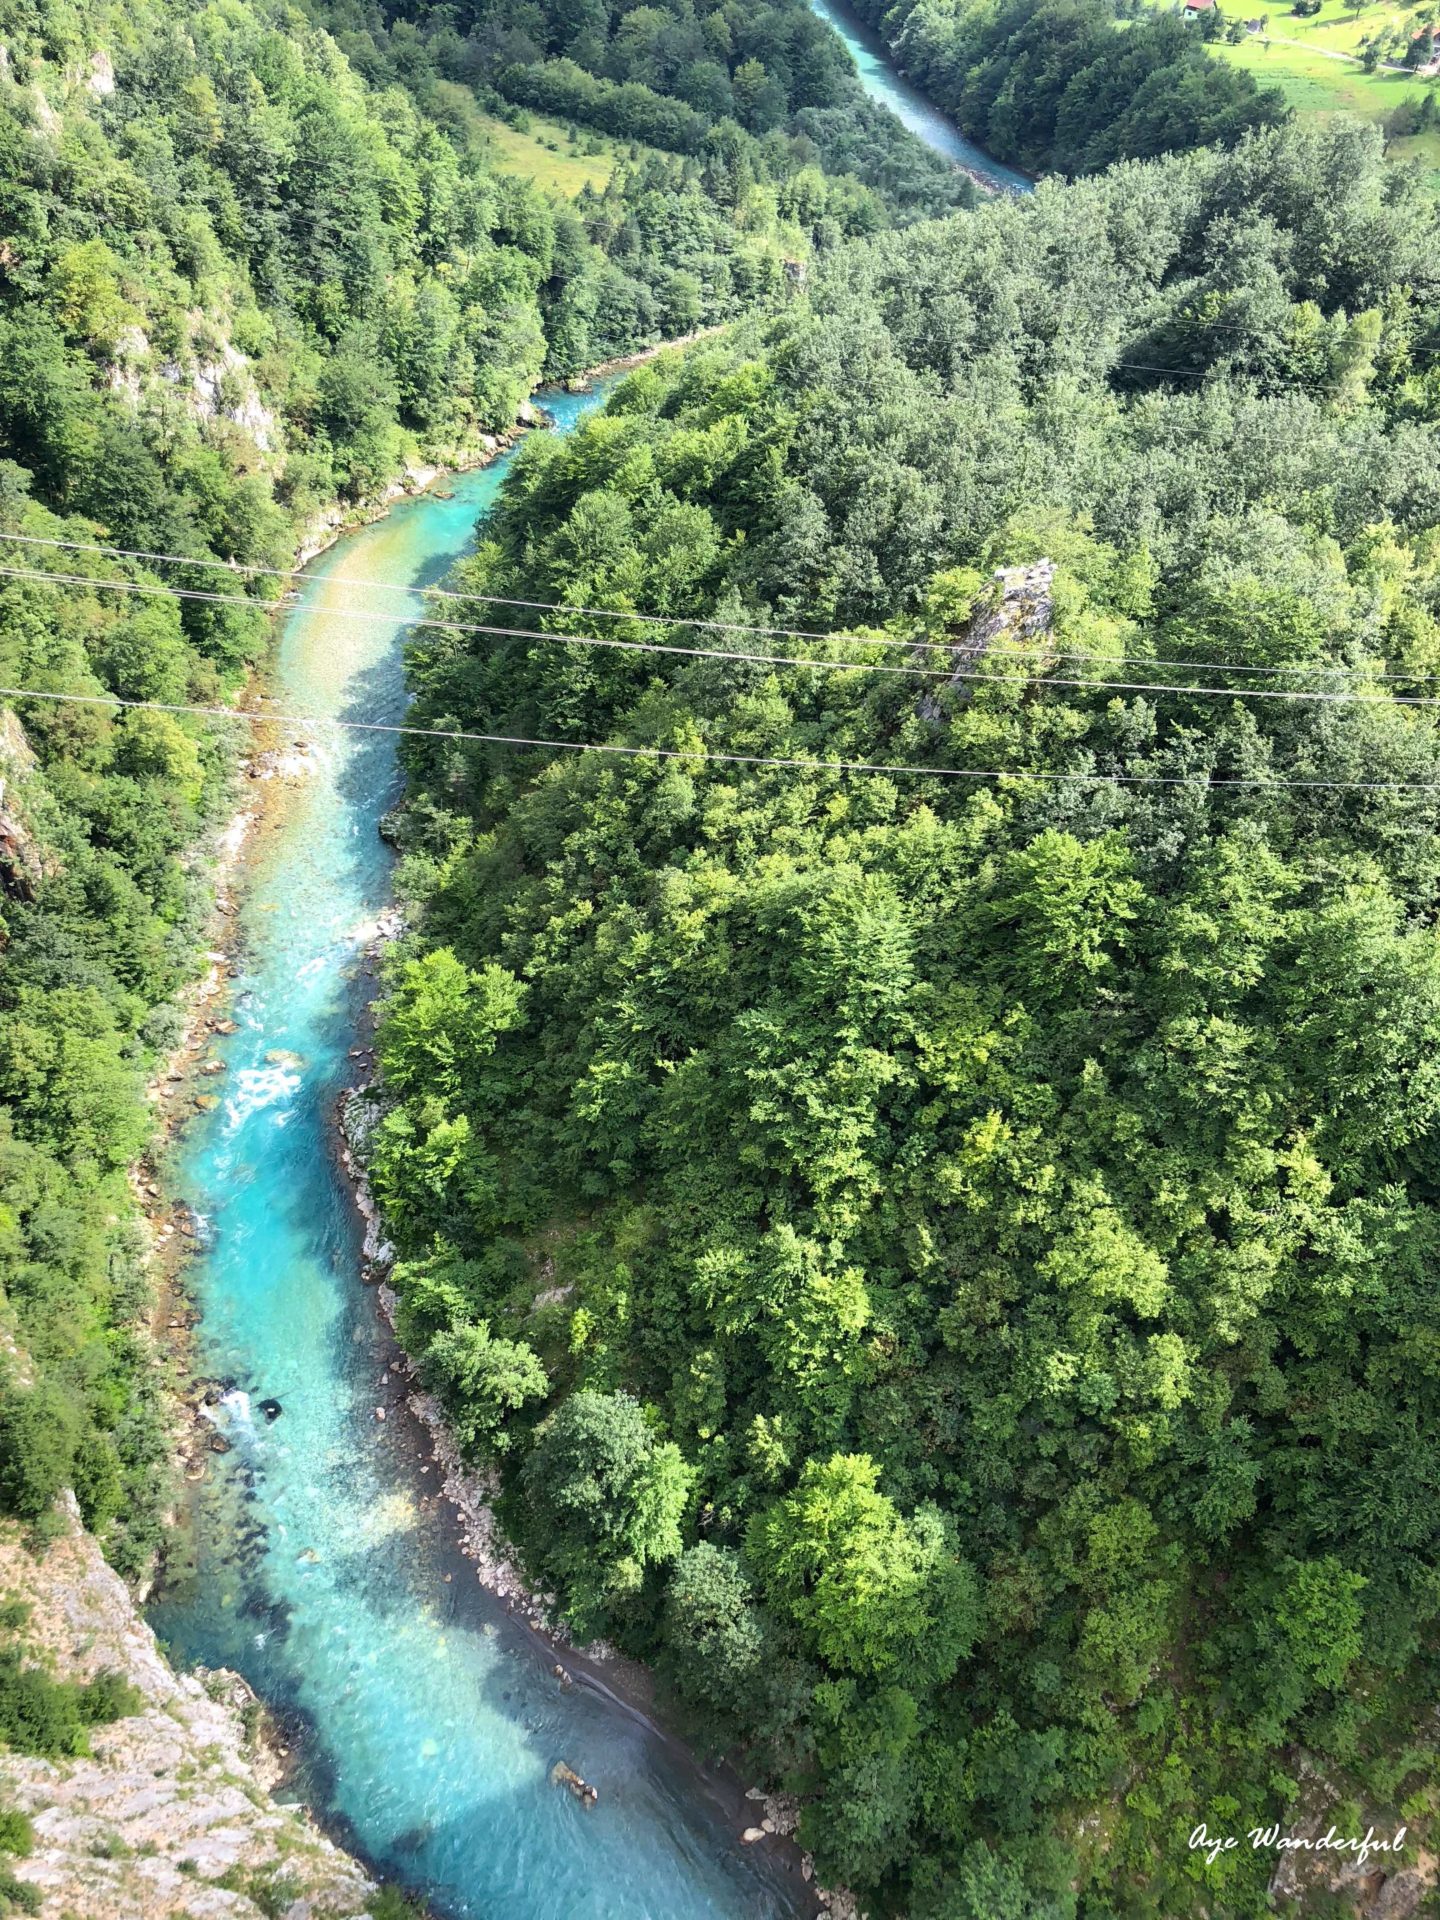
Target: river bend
pixel 880 79
pixel 324 1567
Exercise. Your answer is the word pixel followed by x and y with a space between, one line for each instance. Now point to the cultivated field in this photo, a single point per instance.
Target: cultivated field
pixel 1315 63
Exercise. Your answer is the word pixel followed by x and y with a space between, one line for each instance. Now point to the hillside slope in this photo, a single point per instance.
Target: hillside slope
pixel 168 1814
pixel 918 1162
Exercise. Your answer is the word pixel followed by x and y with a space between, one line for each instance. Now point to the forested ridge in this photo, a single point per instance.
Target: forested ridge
pixel 1050 85
pixel 240 287
pixel 940 1256
pixel 1065 85
pixel 763 89
pixel 944 1266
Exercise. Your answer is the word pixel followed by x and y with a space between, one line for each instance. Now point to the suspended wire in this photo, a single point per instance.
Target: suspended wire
pixel 163 589
pixel 439 593
pixel 1200 782
pixel 502 633
pixel 948 674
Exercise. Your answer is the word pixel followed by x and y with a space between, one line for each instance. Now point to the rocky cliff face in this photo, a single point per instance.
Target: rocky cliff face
pixel 22 863
pixel 1017 605
pixel 170 1815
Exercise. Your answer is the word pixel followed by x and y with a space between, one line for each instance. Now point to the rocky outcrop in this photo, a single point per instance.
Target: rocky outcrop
pixel 22 861
pixel 17 756
pixel 360 1112
pixel 1018 606
pixel 224 387
pixel 22 866
pixel 168 1816
pixel 1320 1863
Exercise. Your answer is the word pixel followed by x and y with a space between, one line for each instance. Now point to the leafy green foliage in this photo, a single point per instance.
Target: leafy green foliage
pixel 243 274
pixel 391 1904
pixel 874 1593
pixel 605 1498
pixel 760 92
pixel 1012 1198
pixel 484 1379
pixel 1053 84
pixel 714 1634
pixel 16 1833
pixel 18 1896
pixel 50 1717
pixel 38 1438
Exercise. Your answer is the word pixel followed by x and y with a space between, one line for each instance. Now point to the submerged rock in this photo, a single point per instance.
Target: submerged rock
pixel 562 1775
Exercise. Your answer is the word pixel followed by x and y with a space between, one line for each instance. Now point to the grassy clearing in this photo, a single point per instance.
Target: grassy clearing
pixel 544 153
pixel 1313 84
pixel 1296 55
pixel 1337 27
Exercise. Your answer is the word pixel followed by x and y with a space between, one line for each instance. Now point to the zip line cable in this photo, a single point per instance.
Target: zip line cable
pixel 438 593
pixel 601 613
pixel 593 613
pixel 443 593
pixel 1201 783
pixel 949 675
pixel 500 633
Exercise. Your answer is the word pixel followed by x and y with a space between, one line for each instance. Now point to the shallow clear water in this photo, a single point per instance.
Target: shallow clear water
pixel 908 104
pixel 426 1718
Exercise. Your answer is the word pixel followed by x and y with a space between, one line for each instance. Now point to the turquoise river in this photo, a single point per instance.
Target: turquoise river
pixel 325 1568
pixel 911 107
pixel 425 1717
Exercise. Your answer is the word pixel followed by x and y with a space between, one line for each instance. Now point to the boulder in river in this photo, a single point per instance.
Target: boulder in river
pixel 562 1775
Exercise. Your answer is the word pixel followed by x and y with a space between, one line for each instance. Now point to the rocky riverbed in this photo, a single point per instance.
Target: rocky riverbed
pixel 169 1817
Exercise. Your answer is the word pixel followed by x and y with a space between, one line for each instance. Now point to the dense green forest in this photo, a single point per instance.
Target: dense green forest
pixel 1058 84
pixel 1046 84
pixel 381 284
pixel 944 1266
pixel 754 91
pixel 237 283
pixel 939 1256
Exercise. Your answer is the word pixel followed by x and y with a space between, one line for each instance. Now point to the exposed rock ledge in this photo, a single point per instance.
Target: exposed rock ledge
pixel 1018 604
pixel 172 1800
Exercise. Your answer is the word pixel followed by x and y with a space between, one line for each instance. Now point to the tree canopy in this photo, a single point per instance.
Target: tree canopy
pixel 1005 1178
pixel 1057 85
pixel 245 281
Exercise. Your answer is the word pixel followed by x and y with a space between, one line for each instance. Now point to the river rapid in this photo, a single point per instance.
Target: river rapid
pixel 323 1564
